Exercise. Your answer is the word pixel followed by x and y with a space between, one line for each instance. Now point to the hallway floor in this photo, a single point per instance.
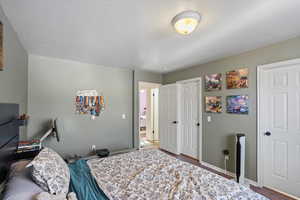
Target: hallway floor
pixel 145 143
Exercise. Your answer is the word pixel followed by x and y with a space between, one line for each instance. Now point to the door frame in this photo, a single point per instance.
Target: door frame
pixel 139 83
pixel 260 125
pixel 155 113
pixel 200 129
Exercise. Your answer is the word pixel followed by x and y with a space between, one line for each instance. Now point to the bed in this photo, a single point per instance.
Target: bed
pixel 140 175
pixel 152 174
pixel 143 174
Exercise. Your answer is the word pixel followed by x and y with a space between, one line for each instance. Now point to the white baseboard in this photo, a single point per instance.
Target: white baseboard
pixel 247 182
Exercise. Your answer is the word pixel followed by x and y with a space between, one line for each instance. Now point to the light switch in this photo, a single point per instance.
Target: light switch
pixel 123 116
pixel 208 118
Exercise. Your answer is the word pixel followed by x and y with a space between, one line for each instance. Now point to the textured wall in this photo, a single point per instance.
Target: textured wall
pixel 53 84
pixel 13 79
pixel 218 134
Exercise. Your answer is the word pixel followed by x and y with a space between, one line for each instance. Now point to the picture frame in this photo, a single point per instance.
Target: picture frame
pixel 237 79
pixel 237 104
pixel 213 104
pixel 213 82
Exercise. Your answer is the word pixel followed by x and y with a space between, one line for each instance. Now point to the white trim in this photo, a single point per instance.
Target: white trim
pixel 179 103
pixel 260 155
pixel 259 136
pixel 199 80
pixel 280 64
pixel 247 181
pixel 189 80
pixel 200 141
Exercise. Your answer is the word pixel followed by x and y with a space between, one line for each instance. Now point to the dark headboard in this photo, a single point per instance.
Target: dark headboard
pixel 9 135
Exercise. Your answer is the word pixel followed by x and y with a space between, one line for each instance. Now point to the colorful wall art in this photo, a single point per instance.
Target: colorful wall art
pixel 237 78
pixel 213 82
pixel 89 102
pixel 213 104
pixel 237 104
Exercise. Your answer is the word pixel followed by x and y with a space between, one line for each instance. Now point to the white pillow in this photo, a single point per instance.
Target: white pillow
pixel 51 172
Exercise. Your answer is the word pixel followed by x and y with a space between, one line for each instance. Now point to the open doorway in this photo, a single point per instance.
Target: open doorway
pixel 148 115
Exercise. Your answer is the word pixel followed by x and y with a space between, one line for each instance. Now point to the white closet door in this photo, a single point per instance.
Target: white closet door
pixel 168 118
pixel 281 128
pixel 172 118
pixel 189 118
pixel 163 117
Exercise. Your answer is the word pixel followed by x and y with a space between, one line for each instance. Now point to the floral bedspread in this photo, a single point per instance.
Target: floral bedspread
pixel 152 174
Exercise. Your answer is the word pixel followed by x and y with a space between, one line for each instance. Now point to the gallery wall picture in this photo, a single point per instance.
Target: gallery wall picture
pixel 237 104
pixel 1 47
pixel 237 78
pixel 89 102
pixel 213 82
pixel 213 104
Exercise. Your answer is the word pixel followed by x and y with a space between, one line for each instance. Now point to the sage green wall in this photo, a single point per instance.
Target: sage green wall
pixel 53 84
pixel 13 79
pixel 218 134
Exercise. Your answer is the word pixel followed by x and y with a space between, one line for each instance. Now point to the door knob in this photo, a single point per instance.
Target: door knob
pixel 198 124
pixel 267 133
pixel 174 122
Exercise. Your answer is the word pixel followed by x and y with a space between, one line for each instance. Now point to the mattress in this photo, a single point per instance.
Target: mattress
pixel 152 174
pixel 144 174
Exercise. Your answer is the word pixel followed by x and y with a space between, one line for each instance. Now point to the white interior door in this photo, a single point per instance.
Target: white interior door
pixel 189 120
pixel 168 121
pixel 280 127
pixel 149 134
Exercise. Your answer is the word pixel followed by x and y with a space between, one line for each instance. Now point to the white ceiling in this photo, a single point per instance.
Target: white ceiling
pixel 138 34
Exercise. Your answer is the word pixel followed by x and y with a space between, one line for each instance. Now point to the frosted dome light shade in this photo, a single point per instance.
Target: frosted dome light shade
pixel 186 22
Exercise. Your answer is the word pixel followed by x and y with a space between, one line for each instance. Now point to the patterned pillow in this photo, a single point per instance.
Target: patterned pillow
pixel 51 172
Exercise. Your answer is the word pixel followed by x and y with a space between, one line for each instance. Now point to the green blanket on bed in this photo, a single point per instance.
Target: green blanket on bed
pixel 83 182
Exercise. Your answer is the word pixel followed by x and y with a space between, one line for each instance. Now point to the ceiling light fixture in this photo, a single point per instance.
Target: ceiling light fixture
pixel 186 22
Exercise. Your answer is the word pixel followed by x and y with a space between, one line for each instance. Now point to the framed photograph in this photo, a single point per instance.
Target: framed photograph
pixel 237 104
pixel 213 82
pixel 237 78
pixel 213 104
pixel 1 47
